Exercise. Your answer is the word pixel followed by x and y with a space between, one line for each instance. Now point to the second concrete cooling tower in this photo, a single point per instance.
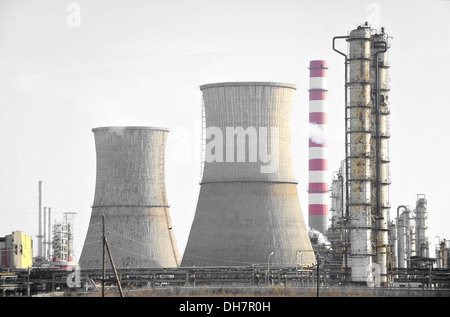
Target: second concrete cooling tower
pixel 248 210
pixel 130 191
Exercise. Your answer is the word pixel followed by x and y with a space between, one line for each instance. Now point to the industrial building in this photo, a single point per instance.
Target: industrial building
pixel 44 236
pixel 55 237
pixel 16 251
pixel 62 240
pixel 130 192
pixel 248 210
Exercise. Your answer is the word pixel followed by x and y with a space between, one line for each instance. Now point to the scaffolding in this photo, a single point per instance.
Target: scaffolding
pixel 60 241
pixel 63 235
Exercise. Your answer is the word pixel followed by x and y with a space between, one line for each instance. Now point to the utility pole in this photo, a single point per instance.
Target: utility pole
pixel 104 258
pixel 106 247
pixel 28 283
pixel 318 274
pixel 114 268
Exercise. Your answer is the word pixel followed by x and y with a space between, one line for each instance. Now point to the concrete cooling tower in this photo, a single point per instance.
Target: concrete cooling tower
pixel 248 205
pixel 130 191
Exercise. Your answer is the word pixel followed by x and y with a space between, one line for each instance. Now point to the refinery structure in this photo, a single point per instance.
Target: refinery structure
pixel 366 165
pixel 248 228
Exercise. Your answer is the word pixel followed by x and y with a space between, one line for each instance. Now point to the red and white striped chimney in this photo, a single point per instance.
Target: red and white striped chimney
pixel 318 161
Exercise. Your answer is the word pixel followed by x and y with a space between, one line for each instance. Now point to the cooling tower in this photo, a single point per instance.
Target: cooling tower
pixel 130 191
pixel 248 206
pixel 318 158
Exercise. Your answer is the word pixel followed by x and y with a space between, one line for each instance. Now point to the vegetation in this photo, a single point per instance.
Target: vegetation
pixel 277 291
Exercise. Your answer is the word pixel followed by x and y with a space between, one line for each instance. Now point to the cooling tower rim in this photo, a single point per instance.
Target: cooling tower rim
pixel 249 83
pixel 121 128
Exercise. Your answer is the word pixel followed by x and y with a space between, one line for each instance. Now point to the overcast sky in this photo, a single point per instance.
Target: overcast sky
pixel 69 66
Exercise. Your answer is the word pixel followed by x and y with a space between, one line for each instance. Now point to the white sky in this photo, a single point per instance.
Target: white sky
pixel 141 62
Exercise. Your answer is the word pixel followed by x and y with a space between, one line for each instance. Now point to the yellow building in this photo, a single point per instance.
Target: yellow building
pixel 16 251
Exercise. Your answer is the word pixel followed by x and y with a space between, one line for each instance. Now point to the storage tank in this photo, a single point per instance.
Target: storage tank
pixel 130 191
pixel 248 206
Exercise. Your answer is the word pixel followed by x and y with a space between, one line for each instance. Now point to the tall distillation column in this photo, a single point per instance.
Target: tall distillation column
pixel 403 237
pixel 367 152
pixel 318 158
pixel 380 152
pixel 422 245
pixel 359 152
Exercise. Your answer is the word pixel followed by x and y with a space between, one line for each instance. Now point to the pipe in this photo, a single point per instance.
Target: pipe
pixel 377 125
pixel 398 210
pixel 341 182
pixel 346 135
pixel 346 117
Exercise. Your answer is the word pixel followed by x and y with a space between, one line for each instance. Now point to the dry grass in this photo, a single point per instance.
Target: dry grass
pixel 277 291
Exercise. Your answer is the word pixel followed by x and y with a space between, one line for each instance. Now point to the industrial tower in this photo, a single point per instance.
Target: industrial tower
pixel 318 157
pixel 248 210
pixel 130 191
pixel 366 168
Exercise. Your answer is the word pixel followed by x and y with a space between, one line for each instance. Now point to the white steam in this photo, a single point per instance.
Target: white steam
pixel 318 132
pixel 321 239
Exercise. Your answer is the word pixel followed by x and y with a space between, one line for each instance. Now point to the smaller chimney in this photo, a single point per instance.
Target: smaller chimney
pixel 39 236
pixel 44 244
pixel 49 241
